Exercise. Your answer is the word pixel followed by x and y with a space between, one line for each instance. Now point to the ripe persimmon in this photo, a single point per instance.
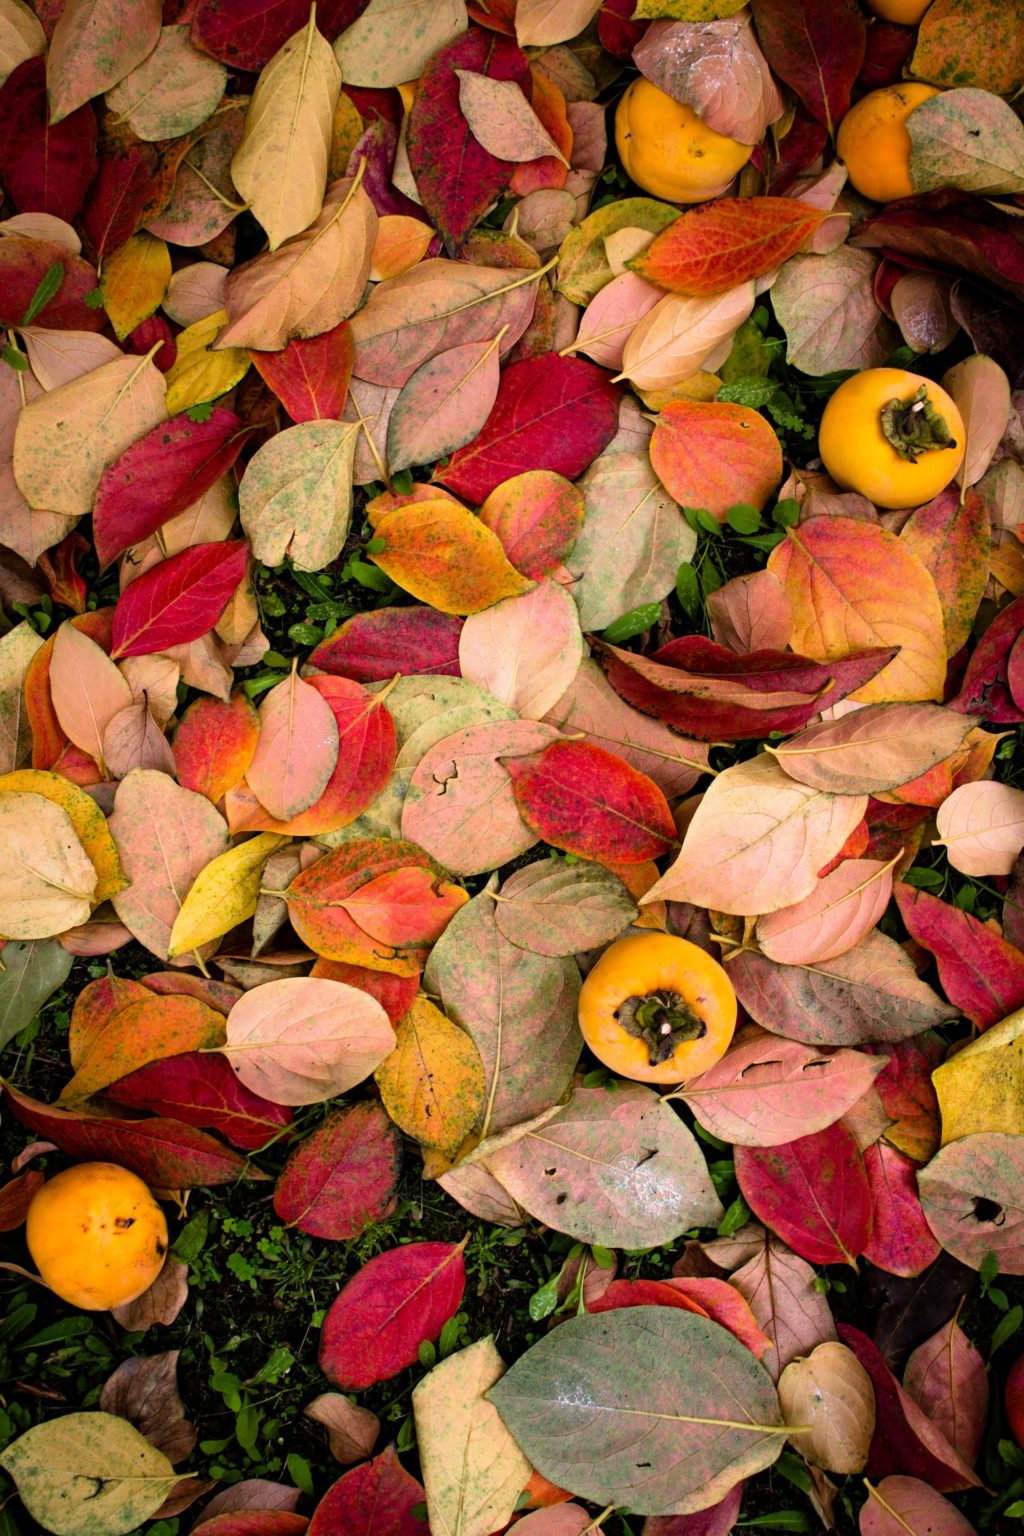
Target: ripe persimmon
pixel 906 12
pixel 894 436
pixel 657 1009
pixel 873 141
pixel 669 151
pixel 96 1235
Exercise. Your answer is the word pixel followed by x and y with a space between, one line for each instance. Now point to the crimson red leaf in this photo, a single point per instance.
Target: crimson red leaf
pixel 817 47
pixel 246 34
pixel 551 413
pixel 310 375
pixel 782 163
pixel 387 1310
pixel 697 686
pixel 394 993
pixel 24 264
pixel 132 184
pixel 905 1441
pixel 901 1241
pixel 980 973
pixel 372 647
pixel 147 335
pixel 616 31
pixel 164 1153
pixel 888 48
pixel 43 169
pixel 344 1175
pixel 252 1522
pixel 179 599
pixel 376 1499
pixel 203 1090
pixel 813 1193
pixel 588 801
pixel 971 237
pixel 986 689
pixel 908 1094
pixel 456 177
pixel 160 475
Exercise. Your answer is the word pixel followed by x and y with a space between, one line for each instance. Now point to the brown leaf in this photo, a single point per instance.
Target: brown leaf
pixel 144 1390
pixel 351 1431
pixel 831 1392
pixel 160 1304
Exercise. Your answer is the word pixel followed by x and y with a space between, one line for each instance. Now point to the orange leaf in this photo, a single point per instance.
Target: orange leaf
pixel 405 906
pixel 442 554
pixel 714 455
pixel 709 250
pixel 214 744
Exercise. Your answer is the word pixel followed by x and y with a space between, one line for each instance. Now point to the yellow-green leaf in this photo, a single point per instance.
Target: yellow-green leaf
pixel 979 1088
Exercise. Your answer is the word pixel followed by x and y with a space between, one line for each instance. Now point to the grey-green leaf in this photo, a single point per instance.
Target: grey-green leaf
pixel 33 969
pixel 88 1474
pixel 597 1412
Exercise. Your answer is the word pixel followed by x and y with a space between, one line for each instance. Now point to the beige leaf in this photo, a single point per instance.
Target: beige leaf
pixel 17 649
pixel 524 650
pixel 94 45
pixel 831 1392
pixel 280 167
pixel 296 494
pixel 539 22
pixel 757 841
pixel 982 393
pixel 473 1470
pixel 393 40
pixel 57 357
pixel 87 689
pixel 172 91
pixel 132 739
pixel 65 439
pixel 501 119
pixel 46 876
pixel 680 335
pixel 21 36
pixel 310 283
pixel 982 827
pixel 351 1432
pixel 195 292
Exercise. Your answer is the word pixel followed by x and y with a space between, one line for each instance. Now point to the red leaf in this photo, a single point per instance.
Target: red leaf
pixel 396 1302
pixel 697 686
pixel 588 801
pixel 971 238
pixel 813 1193
pixel 986 690
pixel 375 1499
pixel 44 169
pixel 145 337
pixel 372 647
pixel 888 48
pixel 908 1094
pixel 252 1522
pixel 980 973
pixel 551 413
pixel 724 1305
pixel 905 1441
pixel 394 993
pixel 901 1241
pixel 310 376
pixel 781 164
pixel 643 1293
pixel 246 34
pixel 16 1197
pixel 160 475
pixel 124 194
pixel 817 47
pixel 179 599
pixel 343 1176
pixel 456 177
pixel 201 1089
pixel 24 264
pixel 162 1152
pixel 616 31
pixel 214 744
pixel 537 517
pixel 709 250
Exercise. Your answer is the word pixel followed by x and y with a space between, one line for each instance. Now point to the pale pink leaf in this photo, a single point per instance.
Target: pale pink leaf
pixel 612 315
pixel 556 1520
pixel 680 335
pixel 946 1378
pixel 297 749
pixel 781 1291
pixel 57 357
pixel 524 650
pixel 479 1193
pixel 751 613
pixel 194 292
pixel 305 1039
pixel 94 45
pixel 132 739
pixel 875 748
pixel 766 1091
pixel 982 393
pixel 843 907
pixel 501 119
pixel 86 687
pixel 981 826
pixel 757 841
pixel 902 1504
pixel 717 68
pixel 444 404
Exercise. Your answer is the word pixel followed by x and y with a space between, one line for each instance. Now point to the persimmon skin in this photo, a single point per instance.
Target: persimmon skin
pixel 643 964
pixel 859 457
pixel 97 1236
pixel 666 148
pixel 874 144
pixel 906 12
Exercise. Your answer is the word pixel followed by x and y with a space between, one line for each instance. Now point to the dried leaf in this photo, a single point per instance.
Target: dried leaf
pixel 680 335
pixel 432 1084
pixel 502 120
pixel 831 1393
pixel 173 90
pixel 394 40
pixel 557 908
pixel 47 881
pixel 445 402
pixel 88 1472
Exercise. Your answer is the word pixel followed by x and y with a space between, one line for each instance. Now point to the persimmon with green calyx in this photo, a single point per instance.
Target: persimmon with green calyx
pixel 669 151
pixel 96 1235
pixel 894 436
pixel 657 1009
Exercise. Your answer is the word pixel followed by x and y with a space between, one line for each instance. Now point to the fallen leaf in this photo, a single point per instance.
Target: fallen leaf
pixel 88 1467
pixel 48 881
pixel 171 91
pixel 901 1241
pixel 842 910
pixel 952 539
pixel 946 1377
pixel 202 1090
pixel 782 1293
pixel 715 455
pixel 445 403
pixel 715 67
pixel 972 43
pixel 561 908
pixel 831 1222
pixel 393 40
pixel 681 335
pixel 432 1085
pixel 876 748
pixel 178 600
pixel 222 893
pixel 343 1176
pixel 711 249
pixel 981 974
pixel 816 49
pixel 144 1391
pixel 94 45
pixel 901 1504
pixel 831 1393
pixel 525 650
pixel 351 1432
pixel 144 1031
pixel 376 1499
pixel 542 22
pixel 443 555
pixel 537 517
pixel 827 308
pixel 982 392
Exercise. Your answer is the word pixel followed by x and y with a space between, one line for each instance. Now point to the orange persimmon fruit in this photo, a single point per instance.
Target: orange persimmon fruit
pixel 873 141
pixel 896 437
pixel 669 151
pixel 96 1235
pixel 657 1009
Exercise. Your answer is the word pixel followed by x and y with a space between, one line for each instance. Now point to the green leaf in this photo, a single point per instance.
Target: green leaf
pixel 633 623
pixel 743 518
pixel 688 590
pixel 48 286
pixel 15 359
pixel 191 1240
pixel 794 1470
pixel 780 1520
pixel 737 1215
pixel 924 879
pixel 88 1474
pixel 33 969
pixel 96 299
pixel 754 393
pixel 1006 1328
pixel 300 1473
pixel 544 1301
pixel 786 513
pixel 201 412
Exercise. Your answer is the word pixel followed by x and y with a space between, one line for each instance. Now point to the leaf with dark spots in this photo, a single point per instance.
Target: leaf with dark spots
pixel 343 1176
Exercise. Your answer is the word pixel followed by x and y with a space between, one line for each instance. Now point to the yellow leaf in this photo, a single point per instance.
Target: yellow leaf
pixel 433 1082
pixel 699 386
pixel 135 282
pixel 198 374
pixel 223 894
pixel 346 131
pixel 86 818
pixel 280 167
pixel 46 879
pixel 442 554
pixel 979 1089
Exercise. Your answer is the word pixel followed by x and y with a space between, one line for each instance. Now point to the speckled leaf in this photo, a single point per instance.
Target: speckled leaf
pixel 432 1084
pixel 555 907
pixel 343 1176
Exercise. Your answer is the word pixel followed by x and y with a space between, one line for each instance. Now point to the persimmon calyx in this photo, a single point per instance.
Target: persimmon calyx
pixel 914 427
pixel 662 1020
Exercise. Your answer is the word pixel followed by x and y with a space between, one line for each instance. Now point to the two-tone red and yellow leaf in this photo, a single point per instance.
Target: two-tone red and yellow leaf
pixel 714 455
pixel 394 993
pixel 713 248
pixel 537 516
pixel 214 744
pixel 591 803
pixel 146 1030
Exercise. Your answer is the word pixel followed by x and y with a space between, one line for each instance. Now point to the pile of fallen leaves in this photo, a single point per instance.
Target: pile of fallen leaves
pixel 348 300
